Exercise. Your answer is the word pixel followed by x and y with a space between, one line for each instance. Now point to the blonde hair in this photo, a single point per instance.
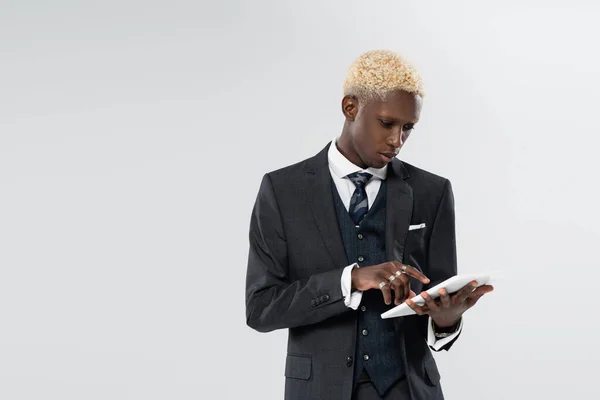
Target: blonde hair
pixel 377 72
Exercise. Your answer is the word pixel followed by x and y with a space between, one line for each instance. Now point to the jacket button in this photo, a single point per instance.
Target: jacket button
pixel 361 258
pixel 349 361
pixel 326 297
pixel 360 235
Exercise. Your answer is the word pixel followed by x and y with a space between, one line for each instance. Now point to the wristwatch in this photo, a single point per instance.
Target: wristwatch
pixel 442 332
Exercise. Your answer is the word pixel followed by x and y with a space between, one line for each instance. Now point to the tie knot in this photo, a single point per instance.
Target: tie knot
pixel 360 179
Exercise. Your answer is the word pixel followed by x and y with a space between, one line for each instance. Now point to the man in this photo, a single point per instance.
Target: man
pixel 344 236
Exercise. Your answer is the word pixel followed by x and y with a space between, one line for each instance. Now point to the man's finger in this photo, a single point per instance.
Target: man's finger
pixel 444 298
pixel 463 293
pixel 398 288
pixel 477 294
pixel 405 282
pixel 394 268
pixel 473 299
pixel 415 273
pixel 412 271
pixel 482 290
pixel 486 288
pixel 420 310
pixel 398 279
pixel 430 302
pixel 387 293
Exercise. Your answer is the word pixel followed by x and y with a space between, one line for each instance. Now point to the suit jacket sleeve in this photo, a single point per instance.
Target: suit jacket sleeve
pixel 273 300
pixel 442 260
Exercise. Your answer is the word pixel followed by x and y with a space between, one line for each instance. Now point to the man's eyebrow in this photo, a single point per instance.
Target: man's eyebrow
pixel 390 118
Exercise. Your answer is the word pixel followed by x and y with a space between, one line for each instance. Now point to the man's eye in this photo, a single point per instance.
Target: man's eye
pixel 386 124
pixel 409 127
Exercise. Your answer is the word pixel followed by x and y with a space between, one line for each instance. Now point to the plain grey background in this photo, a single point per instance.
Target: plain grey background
pixel 134 134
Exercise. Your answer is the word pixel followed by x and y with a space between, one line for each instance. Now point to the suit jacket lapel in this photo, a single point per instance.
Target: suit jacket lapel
pixel 320 197
pixel 399 208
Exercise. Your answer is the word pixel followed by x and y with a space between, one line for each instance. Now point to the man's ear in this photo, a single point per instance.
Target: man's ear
pixel 350 107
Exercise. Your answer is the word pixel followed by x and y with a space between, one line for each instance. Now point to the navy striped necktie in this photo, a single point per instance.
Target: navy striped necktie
pixel 359 203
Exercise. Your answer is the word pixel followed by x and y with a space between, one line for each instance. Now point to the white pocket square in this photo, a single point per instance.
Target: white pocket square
pixel 413 227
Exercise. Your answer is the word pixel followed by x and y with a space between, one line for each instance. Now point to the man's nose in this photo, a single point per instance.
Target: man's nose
pixel 395 139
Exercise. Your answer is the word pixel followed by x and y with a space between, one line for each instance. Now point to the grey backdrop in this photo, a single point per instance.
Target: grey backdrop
pixel 134 134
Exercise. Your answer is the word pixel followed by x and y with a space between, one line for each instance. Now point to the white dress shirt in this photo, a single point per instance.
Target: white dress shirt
pixel 340 167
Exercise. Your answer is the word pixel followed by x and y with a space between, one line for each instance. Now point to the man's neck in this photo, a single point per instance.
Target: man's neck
pixel 345 147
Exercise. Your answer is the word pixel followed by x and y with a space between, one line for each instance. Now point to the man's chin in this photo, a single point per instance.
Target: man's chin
pixel 379 163
pixel 385 159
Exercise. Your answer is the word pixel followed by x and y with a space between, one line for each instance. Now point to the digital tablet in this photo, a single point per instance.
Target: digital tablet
pixel 452 285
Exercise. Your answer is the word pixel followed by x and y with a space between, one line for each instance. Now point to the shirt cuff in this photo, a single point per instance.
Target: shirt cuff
pixel 351 299
pixel 437 344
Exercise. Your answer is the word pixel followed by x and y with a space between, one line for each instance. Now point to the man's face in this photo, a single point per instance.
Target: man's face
pixel 379 128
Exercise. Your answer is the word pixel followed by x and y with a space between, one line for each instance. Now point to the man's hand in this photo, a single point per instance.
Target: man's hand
pixel 386 277
pixel 447 309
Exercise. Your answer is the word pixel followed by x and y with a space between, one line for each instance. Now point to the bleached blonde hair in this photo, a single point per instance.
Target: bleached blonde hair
pixel 377 72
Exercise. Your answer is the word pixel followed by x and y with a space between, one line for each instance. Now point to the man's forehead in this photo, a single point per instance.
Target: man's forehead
pixel 401 106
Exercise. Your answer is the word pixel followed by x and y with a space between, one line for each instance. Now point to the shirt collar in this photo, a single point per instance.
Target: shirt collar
pixel 341 166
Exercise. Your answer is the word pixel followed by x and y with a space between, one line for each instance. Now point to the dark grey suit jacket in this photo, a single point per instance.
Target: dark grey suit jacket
pixel 295 263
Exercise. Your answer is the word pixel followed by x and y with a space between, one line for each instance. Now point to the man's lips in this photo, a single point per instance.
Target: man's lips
pixel 390 155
